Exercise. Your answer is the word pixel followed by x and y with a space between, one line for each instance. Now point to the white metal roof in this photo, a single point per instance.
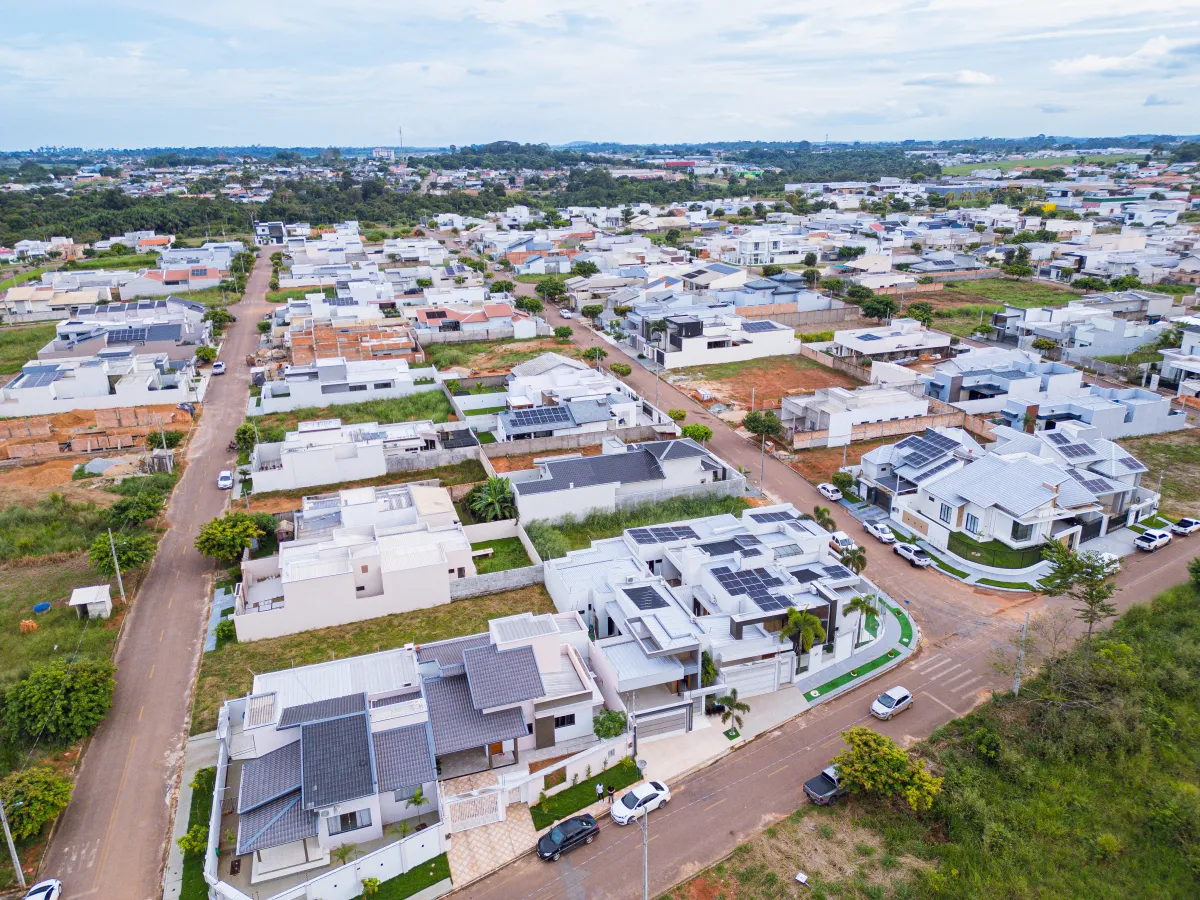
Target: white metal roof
pixel 374 673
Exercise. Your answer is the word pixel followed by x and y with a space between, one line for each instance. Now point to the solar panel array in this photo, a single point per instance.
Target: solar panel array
pixel 1076 451
pixel 1095 485
pixel 920 477
pixel 1131 464
pixel 922 449
pixel 542 415
pixel 436 314
pixel 778 516
pixel 755 584
pixel 755 327
pixel 128 335
pixel 1058 439
pixel 39 378
pixel 870 337
pixel 342 301
pixel 646 598
pixel 837 572
pixel 660 534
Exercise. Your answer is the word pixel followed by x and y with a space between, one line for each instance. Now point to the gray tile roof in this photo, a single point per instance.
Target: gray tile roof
pixel 585 411
pixel 269 777
pixel 458 725
pixel 607 468
pixel 404 757
pixel 449 654
pixel 336 761
pixel 677 449
pixel 333 708
pixel 279 822
pixel 502 677
pixel 1015 486
pixel 545 363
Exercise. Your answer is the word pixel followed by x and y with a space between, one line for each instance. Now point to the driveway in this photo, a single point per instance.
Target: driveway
pixel 111 842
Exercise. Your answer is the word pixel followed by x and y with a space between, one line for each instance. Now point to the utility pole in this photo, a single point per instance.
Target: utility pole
pixel 1020 657
pixel 12 850
pixel 752 398
pixel 762 459
pixel 112 545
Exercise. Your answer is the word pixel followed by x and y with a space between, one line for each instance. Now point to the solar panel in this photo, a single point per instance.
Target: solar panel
pixel 837 572
pixel 542 415
pixel 660 534
pixel 436 314
pixel 645 598
pixel 1058 439
pixel 1095 485
pixel 1076 451
pixel 128 335
pixel 925 476
pixel 870 337
pixel 756 327
pixel 1131 464
pixel 779 516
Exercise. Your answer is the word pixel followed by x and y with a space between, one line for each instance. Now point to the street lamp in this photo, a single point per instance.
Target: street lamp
pixel 12 848
pixel 644 823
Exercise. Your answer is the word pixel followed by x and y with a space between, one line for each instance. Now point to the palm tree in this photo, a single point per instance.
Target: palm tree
pixel 735 709
pixel 865 608
pixel 855 560
pixel 803 628
pixel 417 800
pixel 343 853
pixel 822 517
pixel 595 354
pixel 492 500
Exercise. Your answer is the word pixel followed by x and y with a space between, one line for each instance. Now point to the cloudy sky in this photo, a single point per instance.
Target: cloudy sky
pixel 303 72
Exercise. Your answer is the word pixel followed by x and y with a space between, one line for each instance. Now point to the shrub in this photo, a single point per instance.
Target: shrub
pixel 814 337
pixel 264 326
pixel 41 794
pixel 622 368
pixel 225 537
pixel 677 415
pixel 59 702
pixel 129 512
pixel 226 632
pixel 195 841
pixel 156 439
pixel 548 541
pixel 843 481
pixel 697 432
pixel 133 552
pixel 206 354
pixel 609 724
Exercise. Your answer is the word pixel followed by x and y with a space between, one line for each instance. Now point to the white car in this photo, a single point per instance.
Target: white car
pixel 1152 539
pixel 1112 562
pixel 840 542
pixel 218 368
pixel 642 799
pixel 50 889
pixel 914 554
pixel 830 492
pixel 890 702
pixel 1186 525
pixel 880 532
pixel 225 480
pixel 567 314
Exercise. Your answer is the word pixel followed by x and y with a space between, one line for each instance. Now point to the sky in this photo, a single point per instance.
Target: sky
pixel 351 72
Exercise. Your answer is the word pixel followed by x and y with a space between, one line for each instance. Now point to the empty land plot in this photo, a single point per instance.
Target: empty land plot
pixel 963 306
pixel 769 380
pixel 468 472
pixel 485 357
pixel 1176 458
pixel 432 405
pixel 1005 165
pixel 818 465
pixel 226 673
pixel 503 464
pixel 20 344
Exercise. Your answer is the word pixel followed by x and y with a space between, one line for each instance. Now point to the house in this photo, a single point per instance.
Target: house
pixel 172 326
pixel 358 554
pixel 44 303
pixel 1080 329
pixel 984 379
pixel 1183 365
pixel 838 410
pixel 328 452
pixel 571 417
pixel 337 380
pixel 621 475
pixel 93 602
pixel 482 318
pixel 692 341
pixel 714 277
pixel 1113 412
pixel 269 233
pixel 945 262
pixel 776 295
pixel 211 254
pixel 903 339
pixel 112 378
pixel 892 474
pixel 163 282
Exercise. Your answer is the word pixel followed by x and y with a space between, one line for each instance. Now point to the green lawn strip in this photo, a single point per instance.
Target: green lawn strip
pixel 846 677
pixel 582 795
pixel 946 567
pixel 432 405
pixel 485 437
pixel 1137 529
pixel 1132 359
pixel 992 553
pixel 226 673
pixel 194 887
pixel 131 261
pixel 901 537
pixel 20 344
pixel 415 880
pixel 298 294
pixel 31 275
pixel 1156 521
pixel 487 411
pixel 1011 585
pixel 467 472
pixel 906 628
pixel 507 553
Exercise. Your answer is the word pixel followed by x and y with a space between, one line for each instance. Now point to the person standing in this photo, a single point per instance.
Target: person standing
pixel 599 791
pixel 610 795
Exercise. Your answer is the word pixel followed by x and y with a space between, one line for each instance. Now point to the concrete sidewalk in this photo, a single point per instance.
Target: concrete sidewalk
pixel 201 751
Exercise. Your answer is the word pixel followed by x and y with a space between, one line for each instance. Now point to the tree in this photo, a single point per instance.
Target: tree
pixel 592 311
pixel 264 325
pixel 129 512
pixel 677 415
pixel 873 764
pixel 584 268
pixel 1045 344
pixel 595 354
pixel 155 439
pixel 811 276
pixel 219 318
pixel 492 501
pixel 551 289
pixel 1194 571
pixel 225 537
pixel 804 629
pixel 244 437
pixel 697 432
pixel 32 797
pixel 370 887
pixel 503 286
pixel 531 305
pixel 1085 578
pixel 133 552
pixel 859 293
pixel 810 259
pixel 863 606
pixel 1090 283
pixel 922 311
pixel 206 354
pixel 609 724
pixel 1126 283
pixel 58 701
pixel 855 560
pixel 833 285
pixel 843 481
pixel 563 332
pixel 879 308
pixel 1018 270
pixel 343 853
pixel 771 269
pixel 735 709
pixel 823 518
pixel 194 842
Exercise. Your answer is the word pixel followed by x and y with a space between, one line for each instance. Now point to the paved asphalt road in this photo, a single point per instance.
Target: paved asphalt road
pixel 111 843
pixel 718 807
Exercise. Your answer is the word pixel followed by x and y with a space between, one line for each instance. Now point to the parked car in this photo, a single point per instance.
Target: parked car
pixel 566 314
pixel 218 368
pixel 890 702
pixel 1186 525
pixel 825 788
pixel 50 889
pixel 914 554
pixel 840 542
pixel 880 532
pixel 641 800
pixel 830 491
pixel 225 480
pixel 567 835
pixel 1152 539
pixel 1112 562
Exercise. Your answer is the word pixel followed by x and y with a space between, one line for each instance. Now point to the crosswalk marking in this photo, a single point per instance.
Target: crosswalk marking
pixel 942 703
pixel 965 688
pixel 934 668
pixel 926 662
pixel 940 676
pixel 966 673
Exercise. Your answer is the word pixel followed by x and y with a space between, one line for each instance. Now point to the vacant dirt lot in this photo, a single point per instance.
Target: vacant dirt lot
pixel 819 465
pixel 768 379
pixel 1176 458
pixel 525 461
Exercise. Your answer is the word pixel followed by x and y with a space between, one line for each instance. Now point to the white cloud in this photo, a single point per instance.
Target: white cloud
pixel 1155 53
pixel 1053 108
pixel 959 78
pixel 1156 100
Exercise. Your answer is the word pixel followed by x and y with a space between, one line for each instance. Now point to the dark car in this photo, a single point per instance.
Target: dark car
pixel 825 788
pixel 567 835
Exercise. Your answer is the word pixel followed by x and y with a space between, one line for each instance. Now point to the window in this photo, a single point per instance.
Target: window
pixel 382 385
pixel 945 513
pixel 564 721
pixel 364 569
pixel 972 523
pixel 1021 532
pixel 406 793
pixel 351 821
pixel 358 387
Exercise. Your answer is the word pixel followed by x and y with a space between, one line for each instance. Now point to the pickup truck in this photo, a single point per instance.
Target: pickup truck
pixel 825 788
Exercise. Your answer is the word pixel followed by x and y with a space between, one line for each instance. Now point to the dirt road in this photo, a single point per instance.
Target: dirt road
pixel 111 842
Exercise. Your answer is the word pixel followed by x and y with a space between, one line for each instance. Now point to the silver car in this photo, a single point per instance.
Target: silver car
pixel 890 702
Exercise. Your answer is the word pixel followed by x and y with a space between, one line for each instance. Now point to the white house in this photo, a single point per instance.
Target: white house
pixel 43 303
pixel 902 339
pixel 838 410
pixel 1183 364
pixel 330 382
pixel 983 379
pixel 692 341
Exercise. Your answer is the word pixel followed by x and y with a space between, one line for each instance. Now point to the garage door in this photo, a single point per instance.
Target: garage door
pixel 663 723
pixel 751 679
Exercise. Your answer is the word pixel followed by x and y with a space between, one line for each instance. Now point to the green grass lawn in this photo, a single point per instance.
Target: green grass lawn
pixel 992 553
pixel 1176 458
pixel 486 411
pixel 20 343
pixel 1132 359
pixel 1010 585
pixel 574 534
pixel 582 795
pixel 1006 290
pixel 1049 163
pixel 497 354
pixel 212 297
pixel 946 567
pixel 432 405
pixel 298 294
pixel 226 673
pixel 507 553
pixel 14 280
pixel 467 472
pixel 415 880
pixel 194 886
pixel 722 371
pixel 130 261
pixel 52 525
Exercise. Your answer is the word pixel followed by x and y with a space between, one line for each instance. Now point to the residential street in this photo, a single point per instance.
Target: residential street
pixel 111 841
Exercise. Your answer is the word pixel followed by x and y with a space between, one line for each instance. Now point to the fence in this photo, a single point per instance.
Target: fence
pixel 571 441
pixel 840 313
pixel 808 351
pixel 734 486
pixel 429 459
pixel 992 554
pixel 476 334
pixel 345 882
